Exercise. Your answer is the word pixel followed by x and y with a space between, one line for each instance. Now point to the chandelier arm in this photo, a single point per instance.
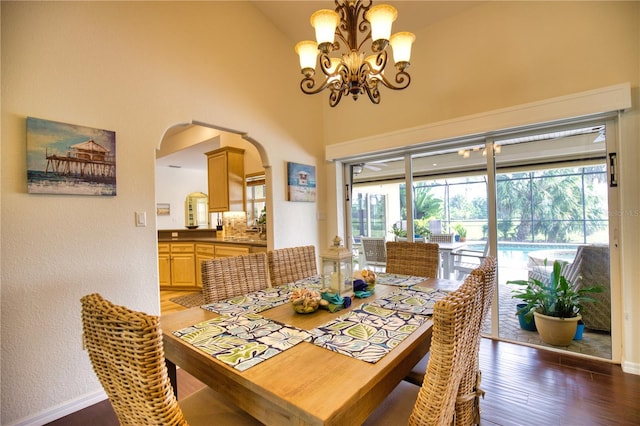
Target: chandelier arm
pixel 402 78
pixel 308 83
pixel 373 93
pixel 334 97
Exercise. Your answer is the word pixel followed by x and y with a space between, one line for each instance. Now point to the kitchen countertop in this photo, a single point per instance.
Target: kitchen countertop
pixel 206 236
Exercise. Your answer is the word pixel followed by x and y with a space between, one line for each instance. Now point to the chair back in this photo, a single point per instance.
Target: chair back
pixel 226 277
pixel 419 259
pixel 595 270
pixel 126 352
pixel 465 260
pixel 374 250
pixel 454 319
pixel 287 265
pixel 468 401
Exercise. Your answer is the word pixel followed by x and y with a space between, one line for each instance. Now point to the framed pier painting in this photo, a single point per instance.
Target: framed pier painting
pixel 70 159
pixel 301 180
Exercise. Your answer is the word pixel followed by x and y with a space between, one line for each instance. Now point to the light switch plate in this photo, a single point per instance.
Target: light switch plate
pixel 141 218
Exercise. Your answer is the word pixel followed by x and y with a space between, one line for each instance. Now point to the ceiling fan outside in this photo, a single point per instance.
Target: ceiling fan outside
pixel 374 166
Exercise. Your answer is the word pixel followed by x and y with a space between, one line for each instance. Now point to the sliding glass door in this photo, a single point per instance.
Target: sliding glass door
pixel 538 196
pixel 552 205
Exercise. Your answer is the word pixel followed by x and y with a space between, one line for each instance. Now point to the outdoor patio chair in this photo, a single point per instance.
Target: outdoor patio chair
pixel 226 277
pixel 418 259
pixel 375 253
pixel 456 321
pixel 126 352
pixel 589 267
pixel 287 265
pixel 465 260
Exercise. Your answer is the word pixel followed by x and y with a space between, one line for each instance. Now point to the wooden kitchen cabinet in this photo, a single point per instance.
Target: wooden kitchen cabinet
pixel 176 265
pixel 225 168
pixel 229 250
pixel 183 266
pixel 164 264
pixel 180 263
pixel 203 252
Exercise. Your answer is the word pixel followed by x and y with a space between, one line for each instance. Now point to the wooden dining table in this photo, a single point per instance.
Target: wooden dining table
pixel 306 384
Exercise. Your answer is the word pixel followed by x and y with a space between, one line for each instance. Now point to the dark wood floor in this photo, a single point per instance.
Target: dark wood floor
pixel 523 385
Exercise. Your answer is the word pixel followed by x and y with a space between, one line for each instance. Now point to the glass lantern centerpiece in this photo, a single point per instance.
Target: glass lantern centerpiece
pixel 337 268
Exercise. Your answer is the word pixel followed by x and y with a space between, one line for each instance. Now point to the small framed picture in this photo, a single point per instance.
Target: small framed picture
pixel 163 209
pixel 301 182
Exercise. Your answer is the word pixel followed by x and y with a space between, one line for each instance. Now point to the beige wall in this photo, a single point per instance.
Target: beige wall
pixel 139 68
pixel 136 69
pixel 496 55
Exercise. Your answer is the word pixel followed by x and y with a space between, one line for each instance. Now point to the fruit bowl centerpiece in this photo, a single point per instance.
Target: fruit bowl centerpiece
pixel 305 301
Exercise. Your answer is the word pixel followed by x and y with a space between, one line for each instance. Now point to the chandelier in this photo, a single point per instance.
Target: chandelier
pixel 354 73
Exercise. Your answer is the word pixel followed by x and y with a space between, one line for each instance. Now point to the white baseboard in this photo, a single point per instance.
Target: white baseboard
pixel 59 411
pixel 631 367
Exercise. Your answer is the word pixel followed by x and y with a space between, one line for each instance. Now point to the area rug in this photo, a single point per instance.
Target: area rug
pixel 189 300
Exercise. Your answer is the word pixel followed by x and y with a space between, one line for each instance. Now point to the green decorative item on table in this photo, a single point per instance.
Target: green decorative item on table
pixel 305 301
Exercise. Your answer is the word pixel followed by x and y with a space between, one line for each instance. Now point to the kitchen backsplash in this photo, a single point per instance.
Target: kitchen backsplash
pixel 234 224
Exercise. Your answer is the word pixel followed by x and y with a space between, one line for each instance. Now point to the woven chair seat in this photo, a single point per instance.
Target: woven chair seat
pixel 287 265
pixel 418 259
pixel 126 352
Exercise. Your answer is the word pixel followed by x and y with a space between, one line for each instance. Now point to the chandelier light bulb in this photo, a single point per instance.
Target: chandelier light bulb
pixel 372 61
pixel 307 51
pixel 401 44
pixel 325 22
pixel 331 71
pixel 381 18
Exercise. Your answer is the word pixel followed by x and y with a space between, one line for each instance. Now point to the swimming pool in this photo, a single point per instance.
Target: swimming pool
pixel 516 255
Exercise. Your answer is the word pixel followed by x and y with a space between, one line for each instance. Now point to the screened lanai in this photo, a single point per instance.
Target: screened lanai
pixel 550 189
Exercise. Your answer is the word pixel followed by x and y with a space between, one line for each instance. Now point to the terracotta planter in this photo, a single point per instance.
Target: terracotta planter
pixel 556 331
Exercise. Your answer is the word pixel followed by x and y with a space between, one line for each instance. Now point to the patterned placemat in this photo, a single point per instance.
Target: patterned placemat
pixel 397 279
pixel 367 333
pixel 261 300
pixel 415 301
pixel 242 341
pixel 313 282
pixel 256 301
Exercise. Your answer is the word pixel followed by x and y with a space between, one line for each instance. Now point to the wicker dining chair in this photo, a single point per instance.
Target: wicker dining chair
pixel 126 352
pixel 287 265
pixel 455 318
pixel 418 259
pixel 226 277
pixel 469 392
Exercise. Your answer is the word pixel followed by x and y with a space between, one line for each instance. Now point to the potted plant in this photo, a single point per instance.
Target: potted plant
pixel 555 306
pixel 400 234
pixel 421 227
pixel 461 231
